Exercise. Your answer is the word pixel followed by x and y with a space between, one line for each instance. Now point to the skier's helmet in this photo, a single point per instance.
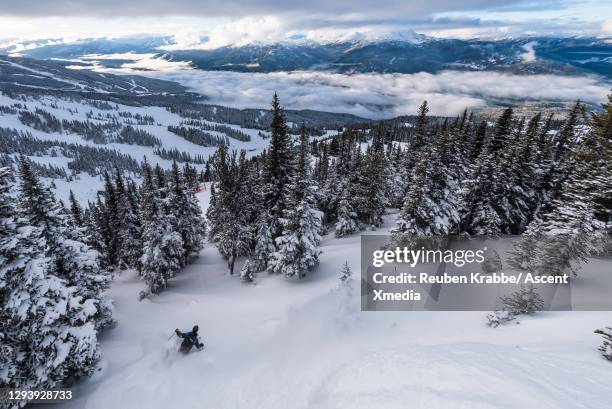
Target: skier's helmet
pixel 195 329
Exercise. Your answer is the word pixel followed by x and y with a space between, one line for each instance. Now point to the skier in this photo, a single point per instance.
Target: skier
pixel 190 339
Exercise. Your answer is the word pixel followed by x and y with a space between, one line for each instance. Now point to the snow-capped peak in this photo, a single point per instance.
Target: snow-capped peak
pixel 401 35
pixel 373 36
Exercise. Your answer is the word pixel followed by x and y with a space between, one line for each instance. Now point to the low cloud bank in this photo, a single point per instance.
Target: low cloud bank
pixel 382 95
pixel 529 55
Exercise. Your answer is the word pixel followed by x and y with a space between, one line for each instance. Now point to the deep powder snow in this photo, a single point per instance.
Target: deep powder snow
pixel 283 344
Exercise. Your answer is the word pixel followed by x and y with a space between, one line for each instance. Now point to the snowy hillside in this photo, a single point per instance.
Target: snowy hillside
pixel 16 73
pixel 283 344
pixel 85 111
pixel 305 205
pixel 65 115
pixel 272 276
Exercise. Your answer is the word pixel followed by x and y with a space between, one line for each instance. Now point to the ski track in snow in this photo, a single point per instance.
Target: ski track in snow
pixel 283 344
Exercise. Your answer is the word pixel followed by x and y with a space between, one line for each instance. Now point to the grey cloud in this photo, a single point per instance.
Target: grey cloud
pixel 415 23
pixel 537 5
pixel 238 8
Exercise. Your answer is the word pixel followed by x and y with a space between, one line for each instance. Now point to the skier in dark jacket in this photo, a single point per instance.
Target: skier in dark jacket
pixel 190 339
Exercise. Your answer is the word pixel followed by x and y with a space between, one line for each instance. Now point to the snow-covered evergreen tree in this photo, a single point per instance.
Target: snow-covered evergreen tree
pixel 251 196
pixel 92 224
pixel 430 208
pixel 264 246
pixel 478 140
pixel 420 135
pixel 345 273
pixel 10 251
pixel 606 346
pixel 75 210
pixel 502 132
pixel 525 300
pixel 399 173
pixel 347 222
pixel 48 325
pixel 110 224
pixel 572 229
pixel 525 254
pixel 163 247
pixel 485 203
pixel 213 214
pixel 130 233
pixel 301 223
pixel 277 172
pixel 188 215
pixel 190 177
pixel 52 335
pixel 328 196
pixel 232 232
pixel 347 302
pixel 519 172
pixel 70 258
pixel 260 256
pixel 248 271
pixel 602 197
pixel 374 178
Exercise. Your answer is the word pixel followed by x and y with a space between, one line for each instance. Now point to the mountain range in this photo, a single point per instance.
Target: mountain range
pixel 385 54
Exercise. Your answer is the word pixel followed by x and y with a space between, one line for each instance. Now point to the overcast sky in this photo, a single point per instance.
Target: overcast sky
pixel 208 24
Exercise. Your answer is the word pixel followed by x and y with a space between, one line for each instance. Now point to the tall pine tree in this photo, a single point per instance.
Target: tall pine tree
pixel 277 169
pixel 163 247
pixel 301 222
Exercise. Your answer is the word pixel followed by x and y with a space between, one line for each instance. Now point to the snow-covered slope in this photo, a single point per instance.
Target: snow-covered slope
pixel 286 344
pixel 25 72
pixel 85 185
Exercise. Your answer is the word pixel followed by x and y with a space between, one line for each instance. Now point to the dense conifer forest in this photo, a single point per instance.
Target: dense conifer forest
pixel 548 181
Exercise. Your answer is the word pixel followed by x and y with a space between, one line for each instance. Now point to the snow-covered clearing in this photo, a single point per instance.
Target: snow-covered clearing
pixel 292 344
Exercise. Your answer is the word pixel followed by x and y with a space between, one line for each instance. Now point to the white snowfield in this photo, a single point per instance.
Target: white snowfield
pixel 288 344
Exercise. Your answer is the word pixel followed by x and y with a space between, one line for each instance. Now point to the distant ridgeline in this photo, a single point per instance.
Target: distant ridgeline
pixel 406 53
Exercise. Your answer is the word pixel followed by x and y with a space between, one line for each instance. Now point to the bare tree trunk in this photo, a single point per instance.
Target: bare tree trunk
pixel 231 262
